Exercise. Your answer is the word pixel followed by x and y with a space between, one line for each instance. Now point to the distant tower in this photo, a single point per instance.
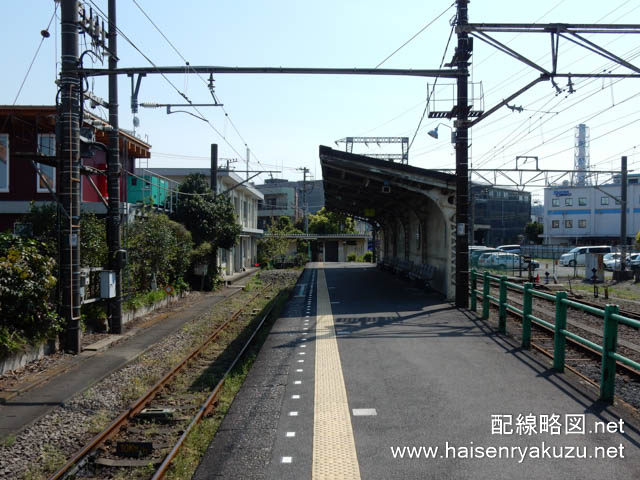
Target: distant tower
pixel 581 156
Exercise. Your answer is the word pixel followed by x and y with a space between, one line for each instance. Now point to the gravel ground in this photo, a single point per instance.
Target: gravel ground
pixel 49 441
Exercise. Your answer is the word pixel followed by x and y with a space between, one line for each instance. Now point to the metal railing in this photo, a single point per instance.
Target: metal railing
pixel 609 314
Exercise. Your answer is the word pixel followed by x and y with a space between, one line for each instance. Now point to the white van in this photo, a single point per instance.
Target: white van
pixel 576 256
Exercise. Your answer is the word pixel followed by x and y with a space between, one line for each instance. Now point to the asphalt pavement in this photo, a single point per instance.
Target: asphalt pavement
pixel 431 392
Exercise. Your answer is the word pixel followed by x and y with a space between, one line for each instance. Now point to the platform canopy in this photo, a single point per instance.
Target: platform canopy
pixel 372 189
pixel 413 208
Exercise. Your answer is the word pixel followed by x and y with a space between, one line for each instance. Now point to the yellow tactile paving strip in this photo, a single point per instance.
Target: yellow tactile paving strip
pixel 334 449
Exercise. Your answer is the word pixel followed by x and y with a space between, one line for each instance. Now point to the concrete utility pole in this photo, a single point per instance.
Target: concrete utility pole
pixel 214 169
pixel 623 214
pixel 69 168
pixel 114 168
pixel 248 154
pixel 305 207
pixel 462 56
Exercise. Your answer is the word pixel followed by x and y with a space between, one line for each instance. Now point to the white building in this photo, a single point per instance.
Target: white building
pixel 588 216
pixel 244 197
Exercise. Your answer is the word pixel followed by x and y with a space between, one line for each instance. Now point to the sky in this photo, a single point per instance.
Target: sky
pixel 283 119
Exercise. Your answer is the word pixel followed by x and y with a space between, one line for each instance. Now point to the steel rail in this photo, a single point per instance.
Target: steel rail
pixel 145 399
pixel 578 345
pixel 207 406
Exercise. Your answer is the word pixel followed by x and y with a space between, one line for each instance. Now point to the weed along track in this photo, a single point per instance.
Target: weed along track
pixel 164 407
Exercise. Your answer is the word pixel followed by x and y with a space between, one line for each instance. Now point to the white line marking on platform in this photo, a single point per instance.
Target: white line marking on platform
pixel 299 369
pixel 362 412
pixel 295 397
pixel 297 382
pixel 287 459
pixel 293 414
pixel 291 434
pixel 302 353
pixel 300 361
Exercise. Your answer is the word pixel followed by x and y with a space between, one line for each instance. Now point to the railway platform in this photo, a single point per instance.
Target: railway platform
pixel 32 402
pixel 365 377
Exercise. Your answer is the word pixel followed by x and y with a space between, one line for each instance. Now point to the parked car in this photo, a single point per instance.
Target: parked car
pixel 509 248
pixel 506 261
pixel 612 261
pixel 576 256
pixel 634 260
pixel 476 252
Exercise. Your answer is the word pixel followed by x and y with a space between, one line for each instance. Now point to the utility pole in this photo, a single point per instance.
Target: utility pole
pixel 623 214
pixel 248 154
pixel 214 169
pixel 305 207
pixel 462 56
pixel 116 254
pixel 69 167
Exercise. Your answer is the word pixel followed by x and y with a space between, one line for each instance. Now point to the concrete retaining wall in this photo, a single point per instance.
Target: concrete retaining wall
pixel 20 359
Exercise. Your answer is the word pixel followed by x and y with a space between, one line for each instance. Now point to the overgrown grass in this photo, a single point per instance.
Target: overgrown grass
pixel 621 291
pixel 185 464
pixel 144 300
pixel 52 459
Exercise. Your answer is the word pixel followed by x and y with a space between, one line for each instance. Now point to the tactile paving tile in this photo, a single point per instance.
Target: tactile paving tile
pixel 334 450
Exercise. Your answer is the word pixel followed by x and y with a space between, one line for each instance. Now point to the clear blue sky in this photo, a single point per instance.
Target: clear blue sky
pixel 283 119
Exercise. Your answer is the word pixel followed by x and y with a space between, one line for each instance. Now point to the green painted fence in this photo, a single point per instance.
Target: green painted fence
pixel 610 315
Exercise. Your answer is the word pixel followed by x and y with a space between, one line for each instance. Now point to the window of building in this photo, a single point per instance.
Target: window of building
pixel 582 201
pixel 568 202
pixel 555 223
pixel 555 202
pixel 604 200
pixel 582 224
pixel 47 147
pixel 617 202
pixel 4 162
pixel 568 224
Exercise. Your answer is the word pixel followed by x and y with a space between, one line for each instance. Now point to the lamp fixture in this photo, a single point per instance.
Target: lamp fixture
pixel 434 133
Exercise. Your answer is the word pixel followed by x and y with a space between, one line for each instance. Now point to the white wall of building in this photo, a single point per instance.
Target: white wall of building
pixel 578 215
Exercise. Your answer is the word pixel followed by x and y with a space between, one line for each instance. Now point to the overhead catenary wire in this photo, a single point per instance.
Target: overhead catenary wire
pixel 189 67
pixel 180 92
pixel 429 94
pixel 35 55
pixel 414 36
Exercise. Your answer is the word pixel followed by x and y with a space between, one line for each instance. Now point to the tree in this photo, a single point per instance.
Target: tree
pixel 327 222
pixel 209 219
pixel 532 231
pixel 160 248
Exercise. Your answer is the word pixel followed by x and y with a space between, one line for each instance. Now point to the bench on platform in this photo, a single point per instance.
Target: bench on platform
pixel 422 273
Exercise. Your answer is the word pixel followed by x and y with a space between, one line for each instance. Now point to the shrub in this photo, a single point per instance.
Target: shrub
pixel 351 257
pixel 368 256
pixel 27 282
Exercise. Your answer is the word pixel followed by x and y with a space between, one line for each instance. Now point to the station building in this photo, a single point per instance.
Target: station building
pixel 588 215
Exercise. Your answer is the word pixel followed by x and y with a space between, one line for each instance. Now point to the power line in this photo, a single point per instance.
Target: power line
pixel 426 106
pixel 227 116
pixel 415 35
pixel 182 94
pixel 44 34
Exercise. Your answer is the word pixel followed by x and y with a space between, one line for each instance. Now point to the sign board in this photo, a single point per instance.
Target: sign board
pixel 562 193
pixel 201 269
pixel 168 289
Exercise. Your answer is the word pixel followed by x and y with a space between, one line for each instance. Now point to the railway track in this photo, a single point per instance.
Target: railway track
pixel 580 359
pixel 154 428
